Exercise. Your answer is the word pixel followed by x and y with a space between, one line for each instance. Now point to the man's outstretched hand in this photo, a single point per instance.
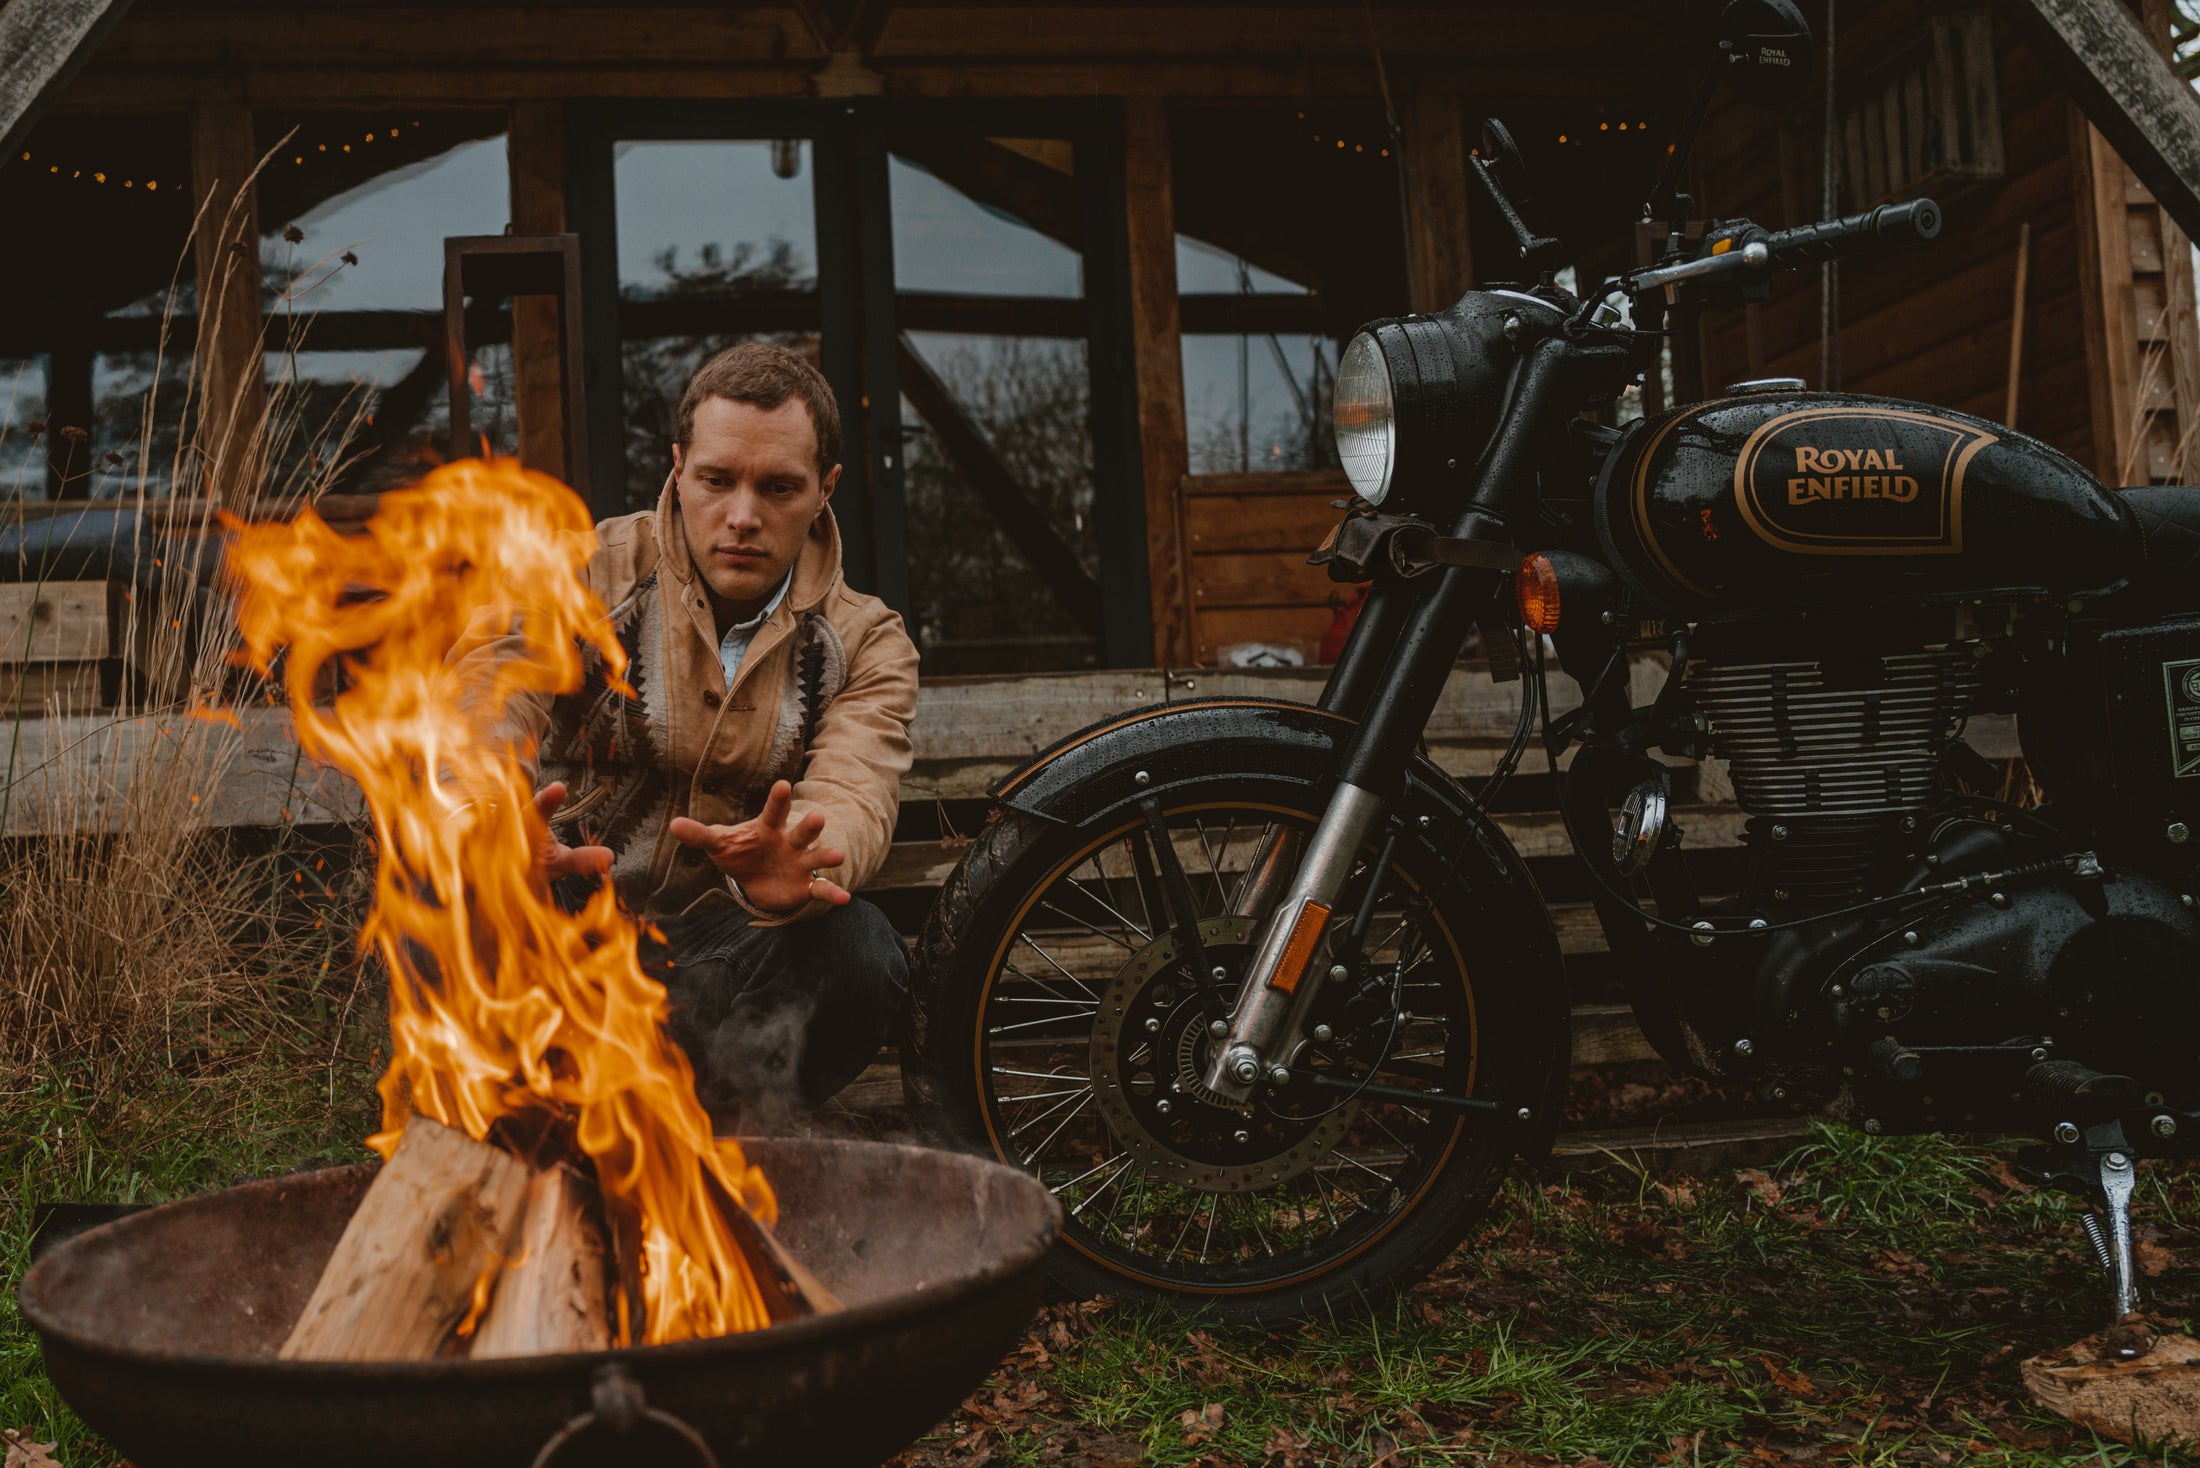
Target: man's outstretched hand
pixel 553 858
pixel 779 867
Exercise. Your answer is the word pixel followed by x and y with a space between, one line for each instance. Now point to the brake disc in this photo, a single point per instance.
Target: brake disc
pixel 1150 1048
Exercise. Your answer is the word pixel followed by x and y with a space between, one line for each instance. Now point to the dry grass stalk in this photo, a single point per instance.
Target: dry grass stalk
pixel 138 926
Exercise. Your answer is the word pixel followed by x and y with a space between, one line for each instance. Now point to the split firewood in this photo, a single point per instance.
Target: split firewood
pixel 2154 1397
pixel 551 1297
pixel 438 1219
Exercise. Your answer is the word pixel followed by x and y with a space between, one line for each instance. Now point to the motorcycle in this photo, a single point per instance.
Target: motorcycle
pixel 1271 1004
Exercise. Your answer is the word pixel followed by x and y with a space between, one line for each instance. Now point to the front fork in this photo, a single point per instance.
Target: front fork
pixel 1266 1024
pixel 1284 976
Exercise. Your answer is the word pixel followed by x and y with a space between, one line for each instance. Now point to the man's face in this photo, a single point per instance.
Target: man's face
pixel 749 490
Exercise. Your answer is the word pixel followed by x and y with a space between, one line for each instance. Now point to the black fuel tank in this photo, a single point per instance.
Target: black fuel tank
pixel 1772 501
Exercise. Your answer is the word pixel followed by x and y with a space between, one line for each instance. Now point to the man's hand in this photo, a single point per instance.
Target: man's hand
pixel 778 868
pixel 553 858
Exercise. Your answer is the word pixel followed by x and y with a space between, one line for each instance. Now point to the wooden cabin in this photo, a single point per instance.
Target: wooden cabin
pixel 1080 274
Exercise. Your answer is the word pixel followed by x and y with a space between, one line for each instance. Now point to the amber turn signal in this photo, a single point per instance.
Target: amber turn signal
pixel 1536 585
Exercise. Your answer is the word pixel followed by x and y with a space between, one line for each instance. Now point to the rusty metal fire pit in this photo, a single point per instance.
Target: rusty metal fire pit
pixel 161 1330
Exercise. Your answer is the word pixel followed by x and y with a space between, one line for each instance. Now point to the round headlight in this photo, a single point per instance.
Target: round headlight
pixel 1366 419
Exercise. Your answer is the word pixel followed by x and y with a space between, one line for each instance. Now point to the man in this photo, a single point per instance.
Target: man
pixel 752 785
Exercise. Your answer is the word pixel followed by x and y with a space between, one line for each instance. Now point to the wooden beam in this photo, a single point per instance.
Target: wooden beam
pixel 2105 296
pixel 1436 175
pixel 43 43
pixel 2102 57
pixel 535 151
pixel 143 85
pixel 232 385
pixel 1157 347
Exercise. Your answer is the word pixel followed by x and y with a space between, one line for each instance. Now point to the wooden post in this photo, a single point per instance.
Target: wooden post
pixel 1164 449
pixel 232 387
pixel 1436 163
pixel 535 148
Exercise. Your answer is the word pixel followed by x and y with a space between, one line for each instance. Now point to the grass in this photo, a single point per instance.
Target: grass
pixel 1866 1301
pixel 132 1128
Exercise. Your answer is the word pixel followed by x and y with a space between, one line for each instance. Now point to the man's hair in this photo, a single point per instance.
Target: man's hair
pixel 766 375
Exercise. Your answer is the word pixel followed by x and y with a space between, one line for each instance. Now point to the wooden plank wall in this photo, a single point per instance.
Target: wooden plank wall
pixel 1247 537
pixel 1930 323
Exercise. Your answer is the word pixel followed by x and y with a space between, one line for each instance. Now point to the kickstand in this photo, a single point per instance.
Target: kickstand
pixel 2118 1179
pixel 2096 1164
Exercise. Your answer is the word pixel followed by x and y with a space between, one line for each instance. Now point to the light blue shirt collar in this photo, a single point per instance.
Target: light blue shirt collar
pixel 734 646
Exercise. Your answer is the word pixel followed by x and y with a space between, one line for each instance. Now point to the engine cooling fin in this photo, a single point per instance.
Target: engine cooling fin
pixel 1827 760
pixel 1800 742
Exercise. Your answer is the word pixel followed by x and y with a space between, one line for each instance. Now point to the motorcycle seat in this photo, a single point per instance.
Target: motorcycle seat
pixel 2169 528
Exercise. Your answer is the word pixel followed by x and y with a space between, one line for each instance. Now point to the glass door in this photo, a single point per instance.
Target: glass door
pixel 959 276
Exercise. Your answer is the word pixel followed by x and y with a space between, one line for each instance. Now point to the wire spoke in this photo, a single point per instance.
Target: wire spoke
pixel 1109 908
pixel 1027 1024
pixel 1041 1150
pixel 1042 1116
pixel 1089 1198
pixel 1088 927
pixel 1073 1182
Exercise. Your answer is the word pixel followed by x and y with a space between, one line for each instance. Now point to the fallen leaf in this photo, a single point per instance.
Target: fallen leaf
pixel 1201 1425
pixel 1762 1184
pixel 23 1453
pixel 1793 1382
pixel 2153 1258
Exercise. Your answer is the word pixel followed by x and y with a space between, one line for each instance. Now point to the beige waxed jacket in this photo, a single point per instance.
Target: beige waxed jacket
pixel 823 698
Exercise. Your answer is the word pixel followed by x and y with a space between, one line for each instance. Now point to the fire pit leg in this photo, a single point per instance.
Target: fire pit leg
pixel 618 1406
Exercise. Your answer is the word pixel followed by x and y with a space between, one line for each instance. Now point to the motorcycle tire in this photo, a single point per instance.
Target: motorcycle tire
pixel 1196 763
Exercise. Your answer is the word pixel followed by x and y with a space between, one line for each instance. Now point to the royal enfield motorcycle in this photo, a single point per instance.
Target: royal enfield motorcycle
pixel 1271 1003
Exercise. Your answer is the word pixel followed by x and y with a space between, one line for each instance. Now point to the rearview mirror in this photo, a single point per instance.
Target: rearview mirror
pixel 1764 51
pixel 1504 157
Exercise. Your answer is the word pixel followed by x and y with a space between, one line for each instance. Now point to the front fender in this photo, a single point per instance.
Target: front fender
pixel 1093 774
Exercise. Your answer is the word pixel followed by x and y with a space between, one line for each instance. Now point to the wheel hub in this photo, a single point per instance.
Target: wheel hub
pixel 1150 1049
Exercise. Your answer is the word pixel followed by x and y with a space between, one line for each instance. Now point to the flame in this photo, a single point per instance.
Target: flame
pixel 504 1008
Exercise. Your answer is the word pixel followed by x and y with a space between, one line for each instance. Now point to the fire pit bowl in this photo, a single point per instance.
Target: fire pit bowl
pixel 161 1330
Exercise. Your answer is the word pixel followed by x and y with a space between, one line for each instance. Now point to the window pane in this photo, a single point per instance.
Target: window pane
pixel 105 204
pixel 1259 404
pixel 981 580
pixel 995 243
pixel 1003 552
pixel 1267 303
pixel 354 210
pixel 22 445
pixel 717 246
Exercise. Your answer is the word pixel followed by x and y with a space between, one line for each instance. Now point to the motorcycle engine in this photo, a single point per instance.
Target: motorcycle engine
pixel 1832 760
pixel 1928 1014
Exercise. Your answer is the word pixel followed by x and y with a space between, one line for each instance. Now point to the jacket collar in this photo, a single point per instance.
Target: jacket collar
pixel 816 570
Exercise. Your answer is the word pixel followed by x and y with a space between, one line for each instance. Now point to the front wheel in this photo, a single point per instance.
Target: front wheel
pixel 1057 1027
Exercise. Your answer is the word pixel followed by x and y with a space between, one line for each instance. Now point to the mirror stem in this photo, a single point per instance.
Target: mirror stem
pixel 1663 202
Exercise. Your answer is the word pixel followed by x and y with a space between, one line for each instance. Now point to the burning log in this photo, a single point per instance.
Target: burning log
pixel 551 1296
pixel 436 1222
pixel 460 1249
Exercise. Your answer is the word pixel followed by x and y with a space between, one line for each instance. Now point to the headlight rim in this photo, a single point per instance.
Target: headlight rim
pixel 1367 343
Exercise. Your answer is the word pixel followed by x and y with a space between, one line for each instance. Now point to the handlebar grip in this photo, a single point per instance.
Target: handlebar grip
pixel 1883 228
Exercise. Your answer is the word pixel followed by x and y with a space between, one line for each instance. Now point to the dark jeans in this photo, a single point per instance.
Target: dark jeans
pixel 775 1020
